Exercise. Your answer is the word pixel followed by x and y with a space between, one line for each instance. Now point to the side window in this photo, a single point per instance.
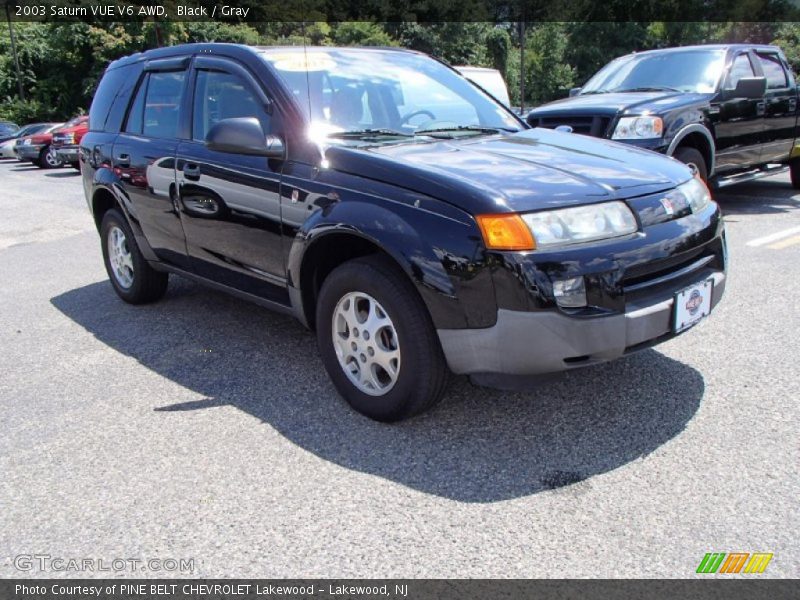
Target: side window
pixel 741 68
pixel 774 71
pixel 136 112
pixel 219 95
pixel 162 104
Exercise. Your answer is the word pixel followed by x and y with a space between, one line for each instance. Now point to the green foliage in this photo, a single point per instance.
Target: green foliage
pixel 60 63
pixel 787 36
pixel 214 31
pixel 361 33
pixel 548 74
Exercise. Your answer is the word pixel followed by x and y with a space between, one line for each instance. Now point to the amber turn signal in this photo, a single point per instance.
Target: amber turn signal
pixel 505 232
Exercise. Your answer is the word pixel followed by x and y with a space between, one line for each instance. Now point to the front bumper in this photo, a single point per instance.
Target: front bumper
pixel 29 152
pixel 532 343
pixel 68 154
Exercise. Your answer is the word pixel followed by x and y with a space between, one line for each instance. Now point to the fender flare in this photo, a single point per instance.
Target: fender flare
pixel 107 181
pixel 399 239
pixel 694 128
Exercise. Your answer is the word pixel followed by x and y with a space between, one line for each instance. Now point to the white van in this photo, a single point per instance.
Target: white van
pixel 489 79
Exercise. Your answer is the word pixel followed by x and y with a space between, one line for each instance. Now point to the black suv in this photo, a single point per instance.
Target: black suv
pixel 382 199
pixel 731 111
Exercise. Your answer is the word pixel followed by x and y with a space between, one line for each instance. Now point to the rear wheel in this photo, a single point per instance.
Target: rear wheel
pixel 693 158
pixel 377 341
pixel 134 280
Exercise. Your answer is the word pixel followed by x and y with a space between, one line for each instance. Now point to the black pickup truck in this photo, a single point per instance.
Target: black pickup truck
pixel 728 110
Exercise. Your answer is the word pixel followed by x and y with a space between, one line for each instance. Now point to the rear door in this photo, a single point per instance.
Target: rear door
pixel 230 203
pixel 143 156
pixel 780 114
pixel 740 121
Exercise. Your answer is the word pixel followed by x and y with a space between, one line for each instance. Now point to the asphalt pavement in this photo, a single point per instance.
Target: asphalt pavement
pixel 204 429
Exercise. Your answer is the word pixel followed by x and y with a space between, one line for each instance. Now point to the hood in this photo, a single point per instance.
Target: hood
pixel 79 128
pixel 614 103
pixel 529 170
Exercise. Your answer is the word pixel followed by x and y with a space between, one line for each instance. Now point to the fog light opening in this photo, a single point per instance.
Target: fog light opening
pixel 570 293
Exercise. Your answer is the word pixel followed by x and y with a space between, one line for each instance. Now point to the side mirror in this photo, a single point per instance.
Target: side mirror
pixel 749 87
pixel 244 135
pixel 574 91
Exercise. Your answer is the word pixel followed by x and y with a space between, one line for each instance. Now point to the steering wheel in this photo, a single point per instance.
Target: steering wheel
pixel 416 113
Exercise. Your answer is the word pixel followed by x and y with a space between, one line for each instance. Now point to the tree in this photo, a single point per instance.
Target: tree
pixel 548 74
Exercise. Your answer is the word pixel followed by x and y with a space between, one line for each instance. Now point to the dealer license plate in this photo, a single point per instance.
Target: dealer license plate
pixel 692 304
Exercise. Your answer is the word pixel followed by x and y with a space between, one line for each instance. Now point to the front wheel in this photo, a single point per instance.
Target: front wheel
pixel 377 341
pixel 693 158
pixel 134 280
pixel 48 159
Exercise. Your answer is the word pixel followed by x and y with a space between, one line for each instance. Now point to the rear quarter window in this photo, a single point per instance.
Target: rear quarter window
pixel 111 98
pixel 774 71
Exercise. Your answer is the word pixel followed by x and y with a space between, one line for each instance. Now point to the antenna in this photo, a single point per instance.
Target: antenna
pixel 305 61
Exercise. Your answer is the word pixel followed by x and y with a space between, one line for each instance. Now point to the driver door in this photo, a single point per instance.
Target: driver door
pixel 740 123
pixel 230 203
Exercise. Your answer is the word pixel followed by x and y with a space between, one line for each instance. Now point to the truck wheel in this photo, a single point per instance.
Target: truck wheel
pixel 135 281
pixel 794 172
pixel 377 340
pixel 48 159
pixel 693 158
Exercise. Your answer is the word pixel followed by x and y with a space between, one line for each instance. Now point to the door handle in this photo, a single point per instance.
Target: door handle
pixel 191 171
pixel 793 105
pixel 124 160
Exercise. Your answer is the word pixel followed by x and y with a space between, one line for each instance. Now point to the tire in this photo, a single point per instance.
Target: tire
pixel 406 332
pixel 693 157
pixel 794 172
pixel 48 159
pixel 134 280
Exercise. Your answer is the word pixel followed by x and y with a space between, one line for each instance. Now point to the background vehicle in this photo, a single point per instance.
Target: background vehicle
pixel 67 138
pixel 37 148
pixel 490 80
pixel 729 110
pixel 410 219
pixel 7 130
pixel 7 147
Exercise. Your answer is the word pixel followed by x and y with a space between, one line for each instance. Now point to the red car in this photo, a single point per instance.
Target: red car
pixel 67 138
pixel 38 149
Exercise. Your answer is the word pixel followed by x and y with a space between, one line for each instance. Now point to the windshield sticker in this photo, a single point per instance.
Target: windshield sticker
pixel 297 61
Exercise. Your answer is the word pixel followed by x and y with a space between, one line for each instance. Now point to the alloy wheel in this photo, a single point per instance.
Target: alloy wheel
pixel 119 257
pixel 366 343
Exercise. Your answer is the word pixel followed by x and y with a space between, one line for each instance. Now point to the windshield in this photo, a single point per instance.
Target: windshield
pixel 383 91
pixel 76 121
pixel 686 71
pixel 8 128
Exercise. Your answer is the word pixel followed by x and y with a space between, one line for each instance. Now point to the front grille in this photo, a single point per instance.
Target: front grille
pixel 587 125
pixel 648 278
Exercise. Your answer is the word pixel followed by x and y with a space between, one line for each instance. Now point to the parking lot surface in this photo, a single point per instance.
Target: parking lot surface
pixel 203 427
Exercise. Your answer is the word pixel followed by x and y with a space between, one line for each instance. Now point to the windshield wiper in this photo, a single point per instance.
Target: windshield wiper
pixel 651 88
pixel 466 128
pixel 367 133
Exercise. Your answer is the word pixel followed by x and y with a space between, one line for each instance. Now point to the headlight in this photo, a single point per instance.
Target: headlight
pixel 638 128
pixel 696 193
pixel 580 224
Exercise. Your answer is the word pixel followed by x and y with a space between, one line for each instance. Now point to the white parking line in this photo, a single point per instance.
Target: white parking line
pixel 773 237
